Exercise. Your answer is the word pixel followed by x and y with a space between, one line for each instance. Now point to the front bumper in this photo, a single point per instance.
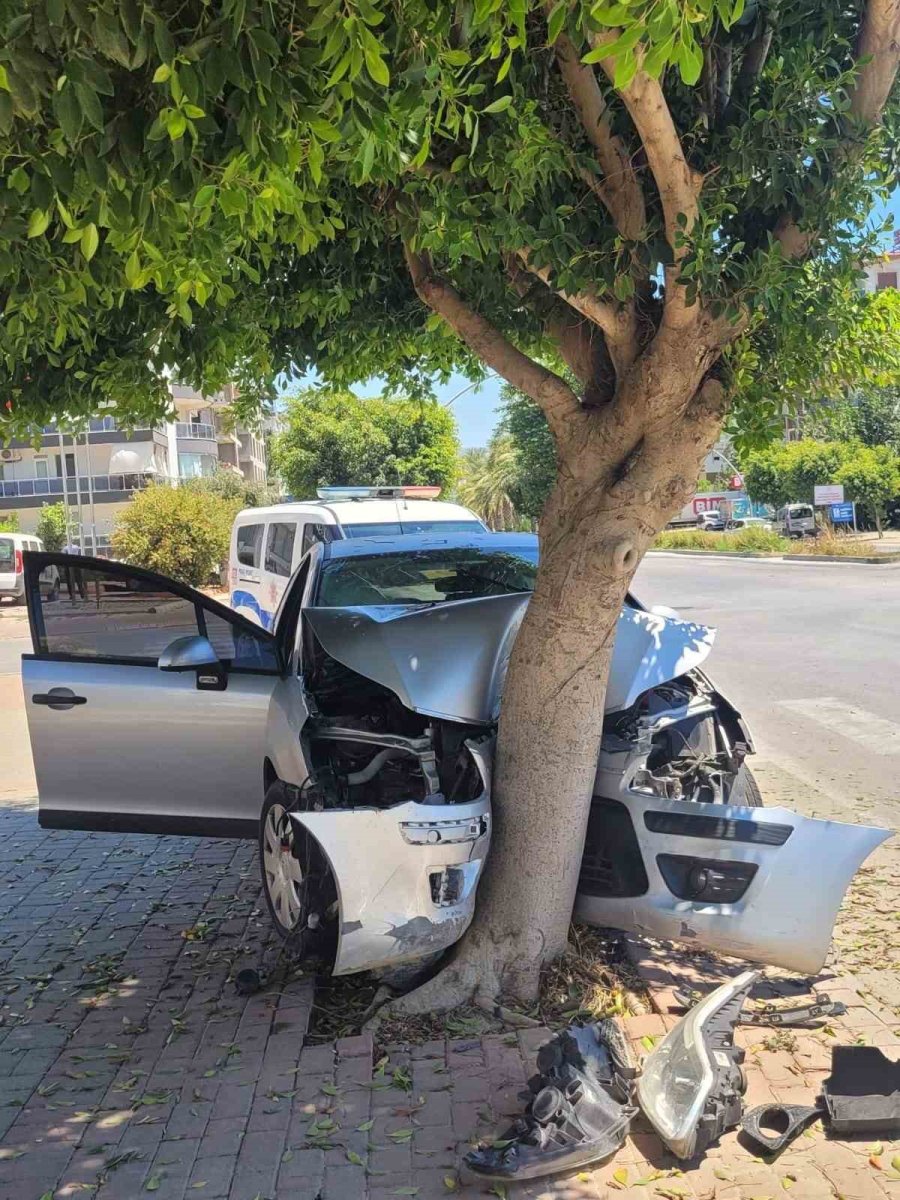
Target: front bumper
pixel 406 876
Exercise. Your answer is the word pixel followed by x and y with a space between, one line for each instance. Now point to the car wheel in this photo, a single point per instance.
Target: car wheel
pixel 745 790
pixel 282 864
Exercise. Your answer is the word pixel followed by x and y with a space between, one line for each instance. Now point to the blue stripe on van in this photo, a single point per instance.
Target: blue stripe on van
pixel 246 600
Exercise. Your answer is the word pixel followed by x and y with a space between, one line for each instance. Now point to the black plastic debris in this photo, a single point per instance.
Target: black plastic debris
pixel 786 1122
pixel 800 1016
pixel 580 1111
pixel 862 1094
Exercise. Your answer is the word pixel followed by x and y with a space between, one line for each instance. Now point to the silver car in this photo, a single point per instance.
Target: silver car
pixel 355 739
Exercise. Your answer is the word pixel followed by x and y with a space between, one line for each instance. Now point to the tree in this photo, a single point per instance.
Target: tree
pixel 176 531
pixel 489 478
pixel 9 522
pixel 638 215
pixel 335 437
pixel 871 476
pixel 871 417
pixel 230 485
pixel 788 471
pixel 526 425
pixel 51 526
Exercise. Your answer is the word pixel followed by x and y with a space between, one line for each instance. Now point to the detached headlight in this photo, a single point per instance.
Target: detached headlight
pixel 692 1083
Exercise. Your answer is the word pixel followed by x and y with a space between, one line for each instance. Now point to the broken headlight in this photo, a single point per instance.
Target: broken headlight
pixel 691 1085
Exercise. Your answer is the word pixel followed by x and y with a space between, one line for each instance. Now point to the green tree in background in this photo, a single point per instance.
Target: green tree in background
pixel 871 417
pixel 51 526
pixel 9 523
pixel 177 531
pixel 641 215
pixel 335 437
pixel 871 477
pixel 230 486
pixel 525 424
pixel 488 481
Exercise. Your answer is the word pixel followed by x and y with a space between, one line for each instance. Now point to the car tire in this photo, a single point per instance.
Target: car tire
pixel 283 864
pixel 745 790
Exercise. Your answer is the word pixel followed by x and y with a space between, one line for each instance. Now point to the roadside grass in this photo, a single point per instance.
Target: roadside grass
pixel 764 541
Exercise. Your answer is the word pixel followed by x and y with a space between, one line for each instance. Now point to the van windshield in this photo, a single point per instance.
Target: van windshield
pixel 7 554
pixel 799 511
pixel 426 577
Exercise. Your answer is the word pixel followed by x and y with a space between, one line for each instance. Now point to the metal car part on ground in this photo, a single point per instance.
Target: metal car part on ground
pixel 692 1084
pixel 798 1016
pixel 580 1110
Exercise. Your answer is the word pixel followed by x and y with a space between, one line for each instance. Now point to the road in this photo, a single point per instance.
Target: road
pixel 810 655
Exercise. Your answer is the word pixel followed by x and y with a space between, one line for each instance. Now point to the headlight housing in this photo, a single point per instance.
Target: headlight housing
pixel 692 1083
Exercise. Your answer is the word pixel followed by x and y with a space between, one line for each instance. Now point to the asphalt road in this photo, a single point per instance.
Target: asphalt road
pixel 811 657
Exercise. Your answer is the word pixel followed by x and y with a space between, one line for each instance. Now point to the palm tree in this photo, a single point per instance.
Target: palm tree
pixel 488 478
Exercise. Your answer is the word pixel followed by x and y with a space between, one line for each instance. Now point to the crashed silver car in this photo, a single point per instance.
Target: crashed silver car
pixel 354 740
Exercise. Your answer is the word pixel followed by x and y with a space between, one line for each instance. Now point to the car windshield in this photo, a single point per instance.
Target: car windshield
pixel 801 510
pixel 396 528
pixel 7 554
pixel 426 576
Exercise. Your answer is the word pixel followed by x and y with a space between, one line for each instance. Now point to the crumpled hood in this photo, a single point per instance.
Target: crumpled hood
pixel 450 660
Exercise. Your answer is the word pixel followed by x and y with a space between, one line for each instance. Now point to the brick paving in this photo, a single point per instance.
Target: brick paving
pixel 129 1066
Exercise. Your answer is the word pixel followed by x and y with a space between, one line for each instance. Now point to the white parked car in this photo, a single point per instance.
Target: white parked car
pixel 748 523
pixel 12 576
pixel 268 543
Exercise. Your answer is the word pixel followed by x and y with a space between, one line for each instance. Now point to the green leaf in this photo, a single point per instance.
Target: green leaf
pixel 38 222
pixel 176 124
pixel 68 113
pixel 620 1175
pixel 556 20
pixel 90 240
pixel 365 1127
pixel 498 106
pixel 4 78
pixel 205 196
pixel 192 111
pixel 377 68
pixel 353 1157
pixel 451 1183
pixel 152 1184
pixel 610 14
pixel 90 104
pixel 162 73
pixel 133 269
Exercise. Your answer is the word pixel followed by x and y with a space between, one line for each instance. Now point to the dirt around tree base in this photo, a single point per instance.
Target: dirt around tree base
pixel 594 979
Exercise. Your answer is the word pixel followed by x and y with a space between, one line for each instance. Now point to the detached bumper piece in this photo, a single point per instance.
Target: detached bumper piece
pixel 580 1111
pixel 862 1094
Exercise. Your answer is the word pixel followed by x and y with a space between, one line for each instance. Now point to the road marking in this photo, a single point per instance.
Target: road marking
pixel 865 728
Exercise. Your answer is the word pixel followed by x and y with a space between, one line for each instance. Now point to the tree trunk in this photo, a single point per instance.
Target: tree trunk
pixel 597 524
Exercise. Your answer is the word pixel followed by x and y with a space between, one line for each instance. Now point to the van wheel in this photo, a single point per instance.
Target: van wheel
pixel 283 864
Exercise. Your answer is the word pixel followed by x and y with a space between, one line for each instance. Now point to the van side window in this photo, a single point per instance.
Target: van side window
pixel 280 547
pixel 249 541
pixel 315 533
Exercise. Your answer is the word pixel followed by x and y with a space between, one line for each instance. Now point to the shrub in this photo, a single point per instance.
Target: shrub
pixel 834 544
pixel 9 522
pixel 51 526
pixel 751 539
pixel 177 531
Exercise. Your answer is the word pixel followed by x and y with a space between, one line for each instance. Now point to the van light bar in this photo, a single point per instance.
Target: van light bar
pixel 404 492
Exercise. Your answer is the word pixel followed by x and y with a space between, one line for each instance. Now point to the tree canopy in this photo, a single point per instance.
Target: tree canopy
pixel 226 188
pixel 871 416
pixel 336 437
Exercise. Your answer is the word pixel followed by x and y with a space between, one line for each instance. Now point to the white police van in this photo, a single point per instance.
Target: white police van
pixel 268 543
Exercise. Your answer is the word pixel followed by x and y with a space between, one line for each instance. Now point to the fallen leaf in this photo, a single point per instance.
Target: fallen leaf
pixel 365 1127
pixel 152 1184
pixel 875 1162
pixel 788 1182
pixel 288 1155
pixel 451 1183
pixel 620 1176
pixel 329 1089
pixel 720 1174
pixel 406 1191
pixel 895 1162
pixel 201 1183
pixel 583 1177
pixel 353 1157
pixel 876 1149
pixel 400 1135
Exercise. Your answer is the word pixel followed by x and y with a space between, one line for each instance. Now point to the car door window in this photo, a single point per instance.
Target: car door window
pixel 280 547
pixel 249 543
pixel 132 618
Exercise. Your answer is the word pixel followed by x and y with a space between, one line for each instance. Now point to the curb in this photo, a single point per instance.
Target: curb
pixel 880 560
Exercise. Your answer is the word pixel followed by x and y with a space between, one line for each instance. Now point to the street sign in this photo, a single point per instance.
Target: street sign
pixel 828 493
pixel 736 482
pixel 842 514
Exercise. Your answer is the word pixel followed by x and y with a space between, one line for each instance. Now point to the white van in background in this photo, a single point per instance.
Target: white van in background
pixel 268 543
pixel 12 575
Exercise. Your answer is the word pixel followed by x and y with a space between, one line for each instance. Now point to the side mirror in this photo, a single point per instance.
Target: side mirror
pixel 188 654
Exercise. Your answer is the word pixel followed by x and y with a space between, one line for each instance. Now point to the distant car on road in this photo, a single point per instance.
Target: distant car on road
pixel 796 521
pixel 748 523
pixel 712 520
pixel 12 575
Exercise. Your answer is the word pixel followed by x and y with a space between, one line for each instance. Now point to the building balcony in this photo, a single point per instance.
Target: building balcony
pixel 196 430
pixel 104 487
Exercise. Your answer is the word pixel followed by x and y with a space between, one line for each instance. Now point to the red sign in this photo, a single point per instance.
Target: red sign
pixel 708 503
pixel 736 483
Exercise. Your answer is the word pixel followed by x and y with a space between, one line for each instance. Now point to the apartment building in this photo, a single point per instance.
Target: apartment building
pixel 96 473
pixel 884 271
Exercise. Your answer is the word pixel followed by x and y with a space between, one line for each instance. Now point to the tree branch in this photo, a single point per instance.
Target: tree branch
pixel 677 182
pixel 620 189
pixel 618 323
pixel 557 400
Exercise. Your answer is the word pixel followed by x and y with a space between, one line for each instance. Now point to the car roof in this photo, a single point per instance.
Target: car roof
pixel 411 543
pixel 363 512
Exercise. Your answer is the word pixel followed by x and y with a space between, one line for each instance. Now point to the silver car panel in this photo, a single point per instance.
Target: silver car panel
pixel 786 915
pixel 450 660
pixel 382 861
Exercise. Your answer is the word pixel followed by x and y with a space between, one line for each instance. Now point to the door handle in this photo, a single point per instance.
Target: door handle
pixel 58 698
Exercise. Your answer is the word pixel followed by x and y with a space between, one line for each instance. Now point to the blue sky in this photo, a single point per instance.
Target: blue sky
pixel 477 410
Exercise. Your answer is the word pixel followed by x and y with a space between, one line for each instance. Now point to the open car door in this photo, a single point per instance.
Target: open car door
pixel 147 702
pixel 763 884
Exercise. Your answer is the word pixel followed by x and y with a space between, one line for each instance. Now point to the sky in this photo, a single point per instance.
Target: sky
pixel 477 409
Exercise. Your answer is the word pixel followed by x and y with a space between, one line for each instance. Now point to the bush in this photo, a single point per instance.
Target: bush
pixel 177 531
pixel 51 526
pixel 838 544
pixel 9 522
pixel 751 539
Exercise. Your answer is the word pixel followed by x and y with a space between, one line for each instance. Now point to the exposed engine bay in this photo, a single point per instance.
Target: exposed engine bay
pixel 366 749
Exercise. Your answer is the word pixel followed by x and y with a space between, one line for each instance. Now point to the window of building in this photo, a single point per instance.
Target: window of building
pixel 280 547
pixel 193 466
pixel 885 279
pixel 41 468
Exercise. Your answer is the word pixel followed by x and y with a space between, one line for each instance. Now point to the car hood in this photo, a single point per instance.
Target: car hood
pixel 450 660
